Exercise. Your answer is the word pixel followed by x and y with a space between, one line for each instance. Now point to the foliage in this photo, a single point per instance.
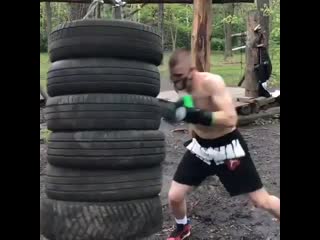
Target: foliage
pixel 177 25
pixel 45 134
pixel 217 44
pixel 60 14
pixel 274 13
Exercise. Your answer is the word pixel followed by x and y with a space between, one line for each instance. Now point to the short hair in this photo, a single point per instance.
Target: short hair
pixel 179 55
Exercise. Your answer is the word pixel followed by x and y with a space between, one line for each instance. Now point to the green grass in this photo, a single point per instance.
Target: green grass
pixel 44 66
pixel 231 70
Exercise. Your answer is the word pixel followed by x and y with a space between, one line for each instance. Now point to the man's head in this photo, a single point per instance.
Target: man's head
pixel 181 69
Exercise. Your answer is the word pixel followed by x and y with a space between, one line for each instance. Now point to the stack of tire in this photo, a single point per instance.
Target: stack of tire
pixel 105 150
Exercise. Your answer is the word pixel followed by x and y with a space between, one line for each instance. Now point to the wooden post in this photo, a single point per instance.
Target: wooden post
pixel 250 82
pixel 201 34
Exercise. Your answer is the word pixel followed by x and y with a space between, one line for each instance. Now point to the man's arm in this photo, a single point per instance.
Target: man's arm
pixel 221 98
pixel 192 133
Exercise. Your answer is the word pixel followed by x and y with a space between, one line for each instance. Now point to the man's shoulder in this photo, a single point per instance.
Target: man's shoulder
pixel 211 79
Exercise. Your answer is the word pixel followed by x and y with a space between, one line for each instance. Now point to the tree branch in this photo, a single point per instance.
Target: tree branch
pixel 134 11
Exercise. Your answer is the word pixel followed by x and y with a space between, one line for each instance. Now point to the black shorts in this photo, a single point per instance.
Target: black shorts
pixel 238 175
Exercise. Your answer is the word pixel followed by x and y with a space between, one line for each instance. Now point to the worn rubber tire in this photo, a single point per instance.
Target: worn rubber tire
pixel 104 39
pixel 69 184
pixel 94 75
pixel 122 220
pixel 106 149
pixel 102 112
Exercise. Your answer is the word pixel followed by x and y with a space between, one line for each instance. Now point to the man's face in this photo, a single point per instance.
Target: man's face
pixel 181 76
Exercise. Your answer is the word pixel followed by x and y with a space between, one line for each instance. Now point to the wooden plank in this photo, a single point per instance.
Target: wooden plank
pixel 201 35
pixel 154 1
pixel 239 34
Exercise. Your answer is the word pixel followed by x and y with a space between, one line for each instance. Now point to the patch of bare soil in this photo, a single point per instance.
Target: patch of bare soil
pixel 214 215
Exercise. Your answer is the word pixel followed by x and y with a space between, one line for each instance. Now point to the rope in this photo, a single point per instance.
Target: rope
pixel 92 7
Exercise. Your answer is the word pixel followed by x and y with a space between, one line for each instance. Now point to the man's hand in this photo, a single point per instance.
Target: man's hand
pixel 194 115
pixel 190 114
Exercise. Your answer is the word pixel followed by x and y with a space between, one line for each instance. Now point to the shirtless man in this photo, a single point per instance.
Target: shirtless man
pixel 217 147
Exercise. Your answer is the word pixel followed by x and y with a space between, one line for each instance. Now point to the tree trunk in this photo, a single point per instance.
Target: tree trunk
pixel 264 20
pixel 49 19
pixel 139 14
pixel 98 10
pixel 117 13
pixel 78 10
pixel 250 82
pixel 173 32
pixel 228 11
pixel 201 34
pixel 160 19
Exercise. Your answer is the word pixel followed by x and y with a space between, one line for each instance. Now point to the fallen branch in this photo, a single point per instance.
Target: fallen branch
pixel 245 120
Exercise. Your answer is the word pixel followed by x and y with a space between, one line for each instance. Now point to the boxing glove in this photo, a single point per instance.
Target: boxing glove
pixel 185 111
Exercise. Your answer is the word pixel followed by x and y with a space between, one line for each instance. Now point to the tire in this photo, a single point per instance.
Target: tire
pixel 104 39
pixel 102 185
pixel 102 149
pixel 103 112
pixel 78 76
pixel 104 221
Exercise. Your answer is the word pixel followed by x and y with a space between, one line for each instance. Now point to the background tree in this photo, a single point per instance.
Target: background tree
pixel 78 10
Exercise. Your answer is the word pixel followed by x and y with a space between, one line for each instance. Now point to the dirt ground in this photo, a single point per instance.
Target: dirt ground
pixel 214 215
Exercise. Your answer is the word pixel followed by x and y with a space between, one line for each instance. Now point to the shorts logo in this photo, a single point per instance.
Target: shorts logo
pixel 233 164
pixel 219 155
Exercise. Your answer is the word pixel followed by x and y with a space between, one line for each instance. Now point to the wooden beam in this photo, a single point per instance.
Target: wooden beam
pixel 250 82
pixel 201 35
pixel 153 1
pixel 239 34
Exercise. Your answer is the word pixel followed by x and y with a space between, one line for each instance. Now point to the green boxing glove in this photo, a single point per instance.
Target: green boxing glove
pixel 185 111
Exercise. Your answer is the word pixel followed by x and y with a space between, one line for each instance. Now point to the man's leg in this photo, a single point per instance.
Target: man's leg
pixel 177 199
pixel 190 172
pixel 262 199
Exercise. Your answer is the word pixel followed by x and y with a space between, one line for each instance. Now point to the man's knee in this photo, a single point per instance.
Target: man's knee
pixel 262 199
pixel 176 196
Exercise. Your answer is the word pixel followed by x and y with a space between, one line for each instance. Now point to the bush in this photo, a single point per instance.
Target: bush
pixel 43 42
pixel 217 44
pixel 184 37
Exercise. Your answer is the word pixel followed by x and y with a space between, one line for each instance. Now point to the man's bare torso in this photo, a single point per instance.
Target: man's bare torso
pixel 203 100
